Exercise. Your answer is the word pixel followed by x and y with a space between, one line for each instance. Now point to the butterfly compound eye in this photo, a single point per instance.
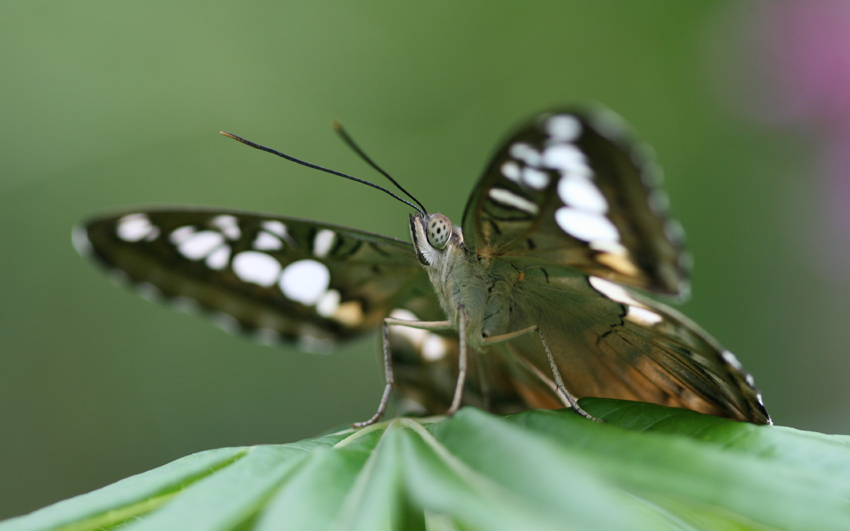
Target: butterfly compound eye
pixel 439 230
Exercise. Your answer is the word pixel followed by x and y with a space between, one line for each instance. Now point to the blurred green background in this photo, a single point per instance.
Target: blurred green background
pixel 106 104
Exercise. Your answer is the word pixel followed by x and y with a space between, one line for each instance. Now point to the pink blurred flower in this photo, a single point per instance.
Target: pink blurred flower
pixel 797 75
pixel 805 46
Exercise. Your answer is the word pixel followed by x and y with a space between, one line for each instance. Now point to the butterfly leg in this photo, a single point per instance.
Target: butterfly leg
pixel 388 365
pixel 461 363
pixel 559 381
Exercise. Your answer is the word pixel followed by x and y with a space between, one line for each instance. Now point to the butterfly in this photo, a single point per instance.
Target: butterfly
pixel 537 299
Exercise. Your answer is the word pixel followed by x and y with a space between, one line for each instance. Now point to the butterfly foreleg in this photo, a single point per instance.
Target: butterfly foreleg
pixel 388 365
pixel 553 367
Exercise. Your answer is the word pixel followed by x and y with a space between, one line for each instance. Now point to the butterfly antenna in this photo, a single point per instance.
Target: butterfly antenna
pixel 320 168
pixel 337 126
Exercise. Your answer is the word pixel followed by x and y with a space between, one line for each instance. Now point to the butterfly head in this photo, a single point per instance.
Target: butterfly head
pixel 433 235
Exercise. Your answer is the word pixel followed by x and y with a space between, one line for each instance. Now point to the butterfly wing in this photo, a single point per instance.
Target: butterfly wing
pixel 567 206
pixel 607 341
pixel 274 277
pixel 610 342
pixel 569 189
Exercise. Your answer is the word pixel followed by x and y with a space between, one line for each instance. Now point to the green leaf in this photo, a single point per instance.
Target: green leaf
pixel 646 467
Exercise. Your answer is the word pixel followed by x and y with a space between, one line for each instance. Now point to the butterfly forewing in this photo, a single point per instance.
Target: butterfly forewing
pixel 567 205
pixel 571 189
pixel 280 278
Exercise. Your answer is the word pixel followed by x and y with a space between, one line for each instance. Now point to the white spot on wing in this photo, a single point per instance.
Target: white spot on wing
pixel 266 336
pixel 511 170
pixel 228 225
pixel 134 227
pixel 226 322
pixel 585 226
pixel 609 123
pixel 323 242
pixel 613 291
pixel 730 358
pixel 256 268
pixel 275 227
pixel 406 315
pixel 643 316
pixel 80 239
pixel 674 231
pixel 267 242
pixel 414 335
pixel 567 159
pixel 200 244
pixel 178 236
pixel 149 292
pixel 535 178
pixel 659 203
pixel 185 305
pixel 686 260
pixel 525 153
pixel 305 281
pixel 309 341
pixel 119 278
pixel 433 348
pixel 508 198
pixel 580 192
pixel 563 127
pixel 328 304
pixel 219 258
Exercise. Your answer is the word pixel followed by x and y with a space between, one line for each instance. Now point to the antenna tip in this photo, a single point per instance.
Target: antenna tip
pixel 336 125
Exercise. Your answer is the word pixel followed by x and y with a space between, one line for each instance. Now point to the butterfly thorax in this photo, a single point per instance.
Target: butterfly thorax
pixel 461 280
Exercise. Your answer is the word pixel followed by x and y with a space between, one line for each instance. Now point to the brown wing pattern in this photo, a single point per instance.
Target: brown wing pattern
pixel 566 214
pixel 571 189
pixel 610 342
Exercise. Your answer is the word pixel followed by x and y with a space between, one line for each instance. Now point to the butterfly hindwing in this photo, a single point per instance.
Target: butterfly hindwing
pixel 570 189
pixel 275 277
pixel 610 342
